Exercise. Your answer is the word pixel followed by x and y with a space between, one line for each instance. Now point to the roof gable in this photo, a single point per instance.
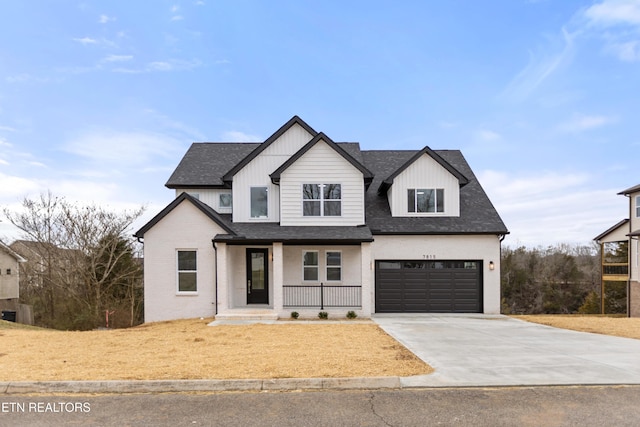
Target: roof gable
pixel 631 190
pixel 608 235
pixel 11 252
pixel 384 186
pixel 295 120
pixel 204 208
pixel 368 176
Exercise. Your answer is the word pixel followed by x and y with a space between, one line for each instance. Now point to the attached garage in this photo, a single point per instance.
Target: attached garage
pixel 428 286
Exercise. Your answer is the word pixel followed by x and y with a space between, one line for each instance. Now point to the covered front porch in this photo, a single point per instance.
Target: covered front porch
pixel 265 281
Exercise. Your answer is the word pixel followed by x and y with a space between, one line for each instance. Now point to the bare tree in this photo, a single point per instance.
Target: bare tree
pixel 80 253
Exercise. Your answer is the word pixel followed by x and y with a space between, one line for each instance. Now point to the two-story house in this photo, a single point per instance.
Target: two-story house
pixel 624 237
pixel 302 223
pixel 9 277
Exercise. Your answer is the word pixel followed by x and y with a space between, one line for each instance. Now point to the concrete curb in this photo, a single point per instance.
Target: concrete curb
pixel 177 386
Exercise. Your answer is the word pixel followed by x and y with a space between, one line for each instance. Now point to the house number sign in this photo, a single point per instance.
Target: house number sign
pixel 428 256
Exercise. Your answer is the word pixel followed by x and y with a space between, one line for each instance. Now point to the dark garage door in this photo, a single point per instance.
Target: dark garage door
pixel 428 287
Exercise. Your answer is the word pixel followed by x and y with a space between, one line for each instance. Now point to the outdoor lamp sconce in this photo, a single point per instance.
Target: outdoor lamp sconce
pixel 492 266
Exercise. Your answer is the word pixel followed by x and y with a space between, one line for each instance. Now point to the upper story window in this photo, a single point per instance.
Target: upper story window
pixel 637 206
pixel 224 200
pixel 259 202
pixel 425 200
pixel 321 199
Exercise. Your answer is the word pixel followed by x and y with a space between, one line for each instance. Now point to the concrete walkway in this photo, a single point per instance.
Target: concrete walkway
pixel 496 350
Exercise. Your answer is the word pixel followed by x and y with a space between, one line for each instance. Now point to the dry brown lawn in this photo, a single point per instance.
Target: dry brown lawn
pixel 628 327
pixel 189 349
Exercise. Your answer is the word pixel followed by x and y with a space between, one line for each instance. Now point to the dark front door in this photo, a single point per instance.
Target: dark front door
pixel 257 276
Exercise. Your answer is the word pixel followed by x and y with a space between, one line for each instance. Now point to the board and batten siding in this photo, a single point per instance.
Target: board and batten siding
pixel 210 196
pixel 256 174
pixel 321 165
pixel 184 228
pixel 424 173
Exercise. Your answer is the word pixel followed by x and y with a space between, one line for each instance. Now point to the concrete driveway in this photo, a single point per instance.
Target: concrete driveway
pixel 496 350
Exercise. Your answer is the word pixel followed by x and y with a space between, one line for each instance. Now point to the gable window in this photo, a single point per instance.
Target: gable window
pixel 310 266
pixel 321 199
pixel 429 200
pixel 259 202
pixel 224 200
pixel 187 271
pixel 334 266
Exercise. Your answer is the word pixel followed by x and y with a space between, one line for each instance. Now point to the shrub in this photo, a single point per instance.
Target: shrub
pixel 295 314
pixel 323 315
pixel 351 314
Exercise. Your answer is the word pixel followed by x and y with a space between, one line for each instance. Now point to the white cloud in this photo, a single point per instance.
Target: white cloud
pixel 580 123
pixel 25 78
pixel 162 66
pixel 85 40
pixel 236 136
pixel 6 129
pixel 613 12
pixel 552 207
pixel 628 51
pixel 117 58
pixel 105 19
pixel 177 18
pixel 541 66
pixel 488 135
pixel 124 149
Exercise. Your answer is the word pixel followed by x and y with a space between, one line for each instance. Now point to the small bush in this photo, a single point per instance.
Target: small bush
pixel 351 314
pixel 295 314
pixel 323 315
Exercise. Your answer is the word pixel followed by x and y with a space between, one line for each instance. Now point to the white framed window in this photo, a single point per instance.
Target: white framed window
pixel 334 266
pixel 259 202
pixel 310 266
pixel 425 200
pixel 321 200
pixel 224 200
pixel 187 271
pixel 637 206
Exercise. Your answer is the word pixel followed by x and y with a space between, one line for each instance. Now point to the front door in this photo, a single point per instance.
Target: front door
pixel 257 276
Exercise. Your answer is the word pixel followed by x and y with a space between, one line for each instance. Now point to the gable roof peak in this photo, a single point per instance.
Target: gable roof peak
pixel 295 120
pixel 463 180
pixel 366 173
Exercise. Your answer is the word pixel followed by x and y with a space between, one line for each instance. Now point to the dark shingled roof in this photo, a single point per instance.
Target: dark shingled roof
pixel 205 163
pixel 477 214
pixel 211 165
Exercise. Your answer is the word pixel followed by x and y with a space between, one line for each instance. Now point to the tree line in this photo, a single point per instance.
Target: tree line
pixel 561 279
pixel 82 263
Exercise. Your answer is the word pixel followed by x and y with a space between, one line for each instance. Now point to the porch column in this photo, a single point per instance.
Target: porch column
pixel 367 286
pixel 222 276
pixel 278 277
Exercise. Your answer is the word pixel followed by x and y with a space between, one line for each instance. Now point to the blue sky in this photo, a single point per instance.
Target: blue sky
pixel 99 100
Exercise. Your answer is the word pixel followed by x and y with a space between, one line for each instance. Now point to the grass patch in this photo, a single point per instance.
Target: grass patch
pixel 189 349
pixel 627 327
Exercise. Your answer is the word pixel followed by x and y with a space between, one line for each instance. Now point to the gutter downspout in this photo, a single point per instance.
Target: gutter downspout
pixel 215 249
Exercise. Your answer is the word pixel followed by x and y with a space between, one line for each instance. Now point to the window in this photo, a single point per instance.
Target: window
pixel 321 199
pixel 187 271
pixel 334 266
pixel 425 200
pixel 225 200
pixel 637 206
pixel 310 266
pixel 259 205
pixel 8 272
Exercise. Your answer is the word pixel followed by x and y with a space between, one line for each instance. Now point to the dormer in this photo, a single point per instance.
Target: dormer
pixel 424 186
pixel 322 184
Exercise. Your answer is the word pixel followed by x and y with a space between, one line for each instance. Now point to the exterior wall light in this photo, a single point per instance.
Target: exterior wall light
pixel 492 266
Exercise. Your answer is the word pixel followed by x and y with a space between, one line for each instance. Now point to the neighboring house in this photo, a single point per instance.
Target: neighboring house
pixel 301 223
pixel 624 238
pixel 9 273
